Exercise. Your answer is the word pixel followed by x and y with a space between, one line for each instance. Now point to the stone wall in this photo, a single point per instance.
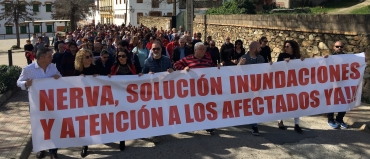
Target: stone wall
pixel 159 22
pixel 316 34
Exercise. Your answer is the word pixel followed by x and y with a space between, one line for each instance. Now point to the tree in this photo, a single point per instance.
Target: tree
pixel 16 11
pixel 234 7
pixel 74 10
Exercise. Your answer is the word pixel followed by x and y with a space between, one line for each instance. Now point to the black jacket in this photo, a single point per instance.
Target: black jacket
pixel 176 53
pixel 104 69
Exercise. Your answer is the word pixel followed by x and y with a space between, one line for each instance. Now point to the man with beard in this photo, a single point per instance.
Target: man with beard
pixel 253 57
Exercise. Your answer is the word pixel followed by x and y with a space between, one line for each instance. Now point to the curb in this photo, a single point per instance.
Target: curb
pixel 26 148
pixel 352 122
pixel 5 96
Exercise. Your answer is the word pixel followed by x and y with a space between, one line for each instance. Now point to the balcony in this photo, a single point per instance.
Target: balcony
pixel 106 9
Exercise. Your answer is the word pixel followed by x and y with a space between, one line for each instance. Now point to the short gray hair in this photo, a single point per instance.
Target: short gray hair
pixel 42 52
pixel 197 45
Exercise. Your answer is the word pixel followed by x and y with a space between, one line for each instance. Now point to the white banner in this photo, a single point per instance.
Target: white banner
pixel 77 111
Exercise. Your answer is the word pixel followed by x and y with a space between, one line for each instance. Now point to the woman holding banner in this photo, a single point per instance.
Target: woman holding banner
pixel 84 65
pixel 291 49
pixel 123 66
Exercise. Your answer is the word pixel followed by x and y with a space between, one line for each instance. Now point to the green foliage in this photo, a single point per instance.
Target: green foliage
pixel 8 77
pixel 362 10
pixel 332 5
pixel 234 7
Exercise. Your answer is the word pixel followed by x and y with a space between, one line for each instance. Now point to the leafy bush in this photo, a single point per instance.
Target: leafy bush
pixel 234 7
pixel 8 77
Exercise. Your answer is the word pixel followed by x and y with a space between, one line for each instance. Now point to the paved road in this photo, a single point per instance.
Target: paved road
pixel 317 141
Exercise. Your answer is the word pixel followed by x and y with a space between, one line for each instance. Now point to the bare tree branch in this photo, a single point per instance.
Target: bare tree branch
pixel 15 11
pixel 74 10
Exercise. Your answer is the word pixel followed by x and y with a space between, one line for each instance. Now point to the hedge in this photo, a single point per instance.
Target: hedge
pixel 8 77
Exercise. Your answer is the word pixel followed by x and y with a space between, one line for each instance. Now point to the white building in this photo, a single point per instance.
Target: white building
pixel 43 10
pixel 128 11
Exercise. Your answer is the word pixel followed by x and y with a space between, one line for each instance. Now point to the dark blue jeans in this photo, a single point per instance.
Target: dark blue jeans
pixel 52 151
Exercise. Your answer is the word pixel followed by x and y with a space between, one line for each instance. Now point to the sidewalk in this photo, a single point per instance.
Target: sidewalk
pixel 15 127
pixel 237 142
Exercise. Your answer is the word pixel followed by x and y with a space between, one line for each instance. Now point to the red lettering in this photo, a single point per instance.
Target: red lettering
pixel 232 84
pixel 322 74
pixel 334 73
pixel 188 117
pixel 302 73
pixel 256 80
pixel 76 97
pixel 157 96
pixel 339 96
pixel 47 100
pixel 269 99
pixel 107 96
pixel 67 128
pixel 157 117
pixel 304 100
pixel 120 116
pixel 246 107
pixel 199 112
pixel 92 96
pixel 61 98
pixel 280 104
pixel 268 79
pixel 292 78
pixel 81 125
pixel 216 85
pixel 292 101
pixel 212 115
pixel 107 123
pixel 315 100
pixel 46 126
pixel 174 116
pixel 134 95
pixel 355 72
pixel 280 80
pixel 227 110
pixel 94 124
pixel 256 102
pixel 243 84
pixel 169 89
pixel 180 84
pixel 237 107
pixel 146 92
pixel 344 71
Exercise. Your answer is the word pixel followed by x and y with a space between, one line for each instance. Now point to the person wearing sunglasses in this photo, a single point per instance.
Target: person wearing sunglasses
pixel 265 49
pixel 104 62
pixel 291 51
pixel 85 65
pixel 338 122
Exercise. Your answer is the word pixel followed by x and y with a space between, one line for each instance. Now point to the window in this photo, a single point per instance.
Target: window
pixel 49 28
pixel 48 7
pixel 36 29
pixel 35 7
pixel 169 1
pixel 22 8
pixel 8 7
pixel 116 1
pixel 155 3
pixel 23 29
pixel 139 1
pixel 9 29
pixel 138 17
pixel 169 14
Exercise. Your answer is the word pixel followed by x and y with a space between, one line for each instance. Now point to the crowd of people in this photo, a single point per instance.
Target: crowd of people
pixel 109 50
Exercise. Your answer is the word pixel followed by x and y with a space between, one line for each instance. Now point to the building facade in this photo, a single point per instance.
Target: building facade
pixel 43 10
pixel 105 10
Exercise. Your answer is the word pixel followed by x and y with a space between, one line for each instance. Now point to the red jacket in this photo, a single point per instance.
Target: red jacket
pixel 114 69
pixel 170 47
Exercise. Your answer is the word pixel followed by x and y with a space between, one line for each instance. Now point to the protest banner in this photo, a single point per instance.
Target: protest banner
pixel 76 111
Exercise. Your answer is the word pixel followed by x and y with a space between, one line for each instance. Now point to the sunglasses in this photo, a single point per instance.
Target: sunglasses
pixel 123 56
pixel 287 46
pixel 266 41
pixel 88 57
pixel 156 49
pixel 339 47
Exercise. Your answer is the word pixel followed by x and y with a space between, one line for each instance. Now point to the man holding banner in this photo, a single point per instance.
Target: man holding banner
pixel 338 122
pixel 157 63
pixel 200 59
pixel 253 57
pixel 42 68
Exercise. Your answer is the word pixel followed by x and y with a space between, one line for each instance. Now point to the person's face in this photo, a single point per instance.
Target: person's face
pixel 69 37
pixel 156 49
pixel 97 47
pixel 212 45
pixel 288 48
pixel 200 51
pixel 264 42
pixel 182 43
pixel 238 45
pixel 109 42
pixel 104 57
pixel 39 40
pixel 47 58
pixel 28 42
pixel 176 42
pixel 73 48
pixel 140 44
pixel 122 57
pixel 338 47
pixel 227 40
pixel 61 48
pixel 87 58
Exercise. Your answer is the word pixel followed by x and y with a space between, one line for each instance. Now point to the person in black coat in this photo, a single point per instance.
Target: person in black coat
pixel 104 63
pixel 134 58
pixel 180 51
